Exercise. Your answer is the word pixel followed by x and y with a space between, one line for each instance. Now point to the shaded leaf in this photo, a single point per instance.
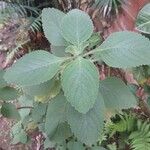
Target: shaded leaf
pixel 10 111
pixel 116 94
pixel 54 91
pixel 61 133
pixel 3 83
pixel 9 93
pixel 75 145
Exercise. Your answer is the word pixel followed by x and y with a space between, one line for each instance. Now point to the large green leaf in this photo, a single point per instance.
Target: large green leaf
pixel 51 19
pixel 116 94
pixel 56 114
pixel 87 127
pixel 124 50
pixel 143 19
pixel 34 68
pixel 77 27
pixel 9 93
pixel 9 110
pixel 80 84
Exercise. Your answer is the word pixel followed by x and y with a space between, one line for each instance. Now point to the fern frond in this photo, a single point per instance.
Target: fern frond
pixel 140 139
pixel 35 24
pixel 11 55
pixel 106 7
pixel 21 8
pixel 125 124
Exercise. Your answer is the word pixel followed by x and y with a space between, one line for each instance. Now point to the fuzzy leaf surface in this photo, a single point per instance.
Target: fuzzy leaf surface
pixel 34 68
pixel 51 19
pixel 125 50
pixel 116 94
pixel 80 83
pixel 77 27
pixel 56 114
pixel 87 127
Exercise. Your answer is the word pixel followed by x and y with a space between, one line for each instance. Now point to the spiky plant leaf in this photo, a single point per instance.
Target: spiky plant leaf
pixel 107 7
pixel 126 123
pixel 140 139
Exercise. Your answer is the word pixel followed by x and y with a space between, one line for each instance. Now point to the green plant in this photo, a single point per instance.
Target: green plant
pixel 69 85
pixel 7 95
pixel 125 123
pixel 130 130
pixel 143 20
pixel 140 139
pixel 107 7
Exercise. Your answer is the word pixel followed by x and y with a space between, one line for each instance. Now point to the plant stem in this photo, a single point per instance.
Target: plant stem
pixel 25 107
pixel 91 52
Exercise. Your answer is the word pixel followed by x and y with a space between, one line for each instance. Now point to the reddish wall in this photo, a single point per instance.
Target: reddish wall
pixel 126 20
